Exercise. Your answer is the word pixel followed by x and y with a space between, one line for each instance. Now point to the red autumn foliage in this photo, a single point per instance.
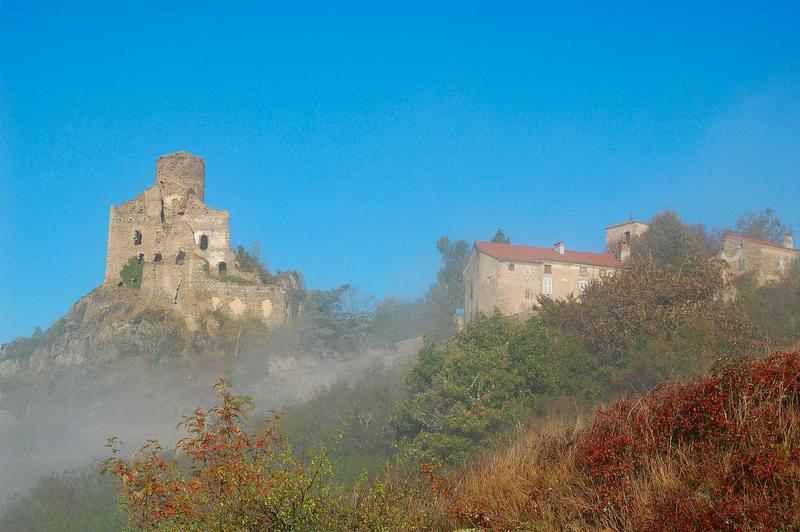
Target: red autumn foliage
pixel 732 425
pixel 721 452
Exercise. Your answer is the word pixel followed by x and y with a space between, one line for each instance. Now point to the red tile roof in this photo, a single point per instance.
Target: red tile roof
pixel 761 242
pixel 513 252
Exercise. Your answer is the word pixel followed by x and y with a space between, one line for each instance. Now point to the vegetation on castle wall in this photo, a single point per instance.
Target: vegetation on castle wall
pixel 131 272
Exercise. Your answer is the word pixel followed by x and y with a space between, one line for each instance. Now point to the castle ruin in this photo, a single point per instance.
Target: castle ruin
pixel 184 249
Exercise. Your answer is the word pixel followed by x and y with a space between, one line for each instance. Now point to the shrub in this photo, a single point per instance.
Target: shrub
pixel 73 500
pixel 718 453
pixel 226 478
pixel 131 272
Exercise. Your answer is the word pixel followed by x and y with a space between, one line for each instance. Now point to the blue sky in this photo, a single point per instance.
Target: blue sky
pixel 347 137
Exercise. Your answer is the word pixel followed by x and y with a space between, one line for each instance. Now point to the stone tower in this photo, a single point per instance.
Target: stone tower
pixel 179 173
pixel 184 248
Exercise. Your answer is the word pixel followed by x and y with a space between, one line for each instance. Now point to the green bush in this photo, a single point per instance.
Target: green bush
pixel 131 272
pixel 79 500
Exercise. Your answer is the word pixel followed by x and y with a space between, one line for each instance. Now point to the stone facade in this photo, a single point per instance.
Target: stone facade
pixel 510 278
pixel 185 249
pixel 765 260
pixel 619 236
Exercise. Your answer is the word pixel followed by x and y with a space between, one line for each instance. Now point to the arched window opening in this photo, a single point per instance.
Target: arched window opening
pixel 158 258
pixel 203 242
pixel 179 258
pixel 137 238
pixel 222 267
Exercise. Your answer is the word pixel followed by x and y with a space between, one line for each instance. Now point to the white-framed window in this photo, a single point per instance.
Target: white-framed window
pixel 582 284
pixel 547 286
pixel 527 270
pixel 782 264
pixel 528 293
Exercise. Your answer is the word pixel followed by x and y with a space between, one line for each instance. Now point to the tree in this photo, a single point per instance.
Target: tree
pixel 764 225
pixel 671 243
pixel 447 295
pixel 335 321
pixel 500 237
pixel 395 319
pixel 467 395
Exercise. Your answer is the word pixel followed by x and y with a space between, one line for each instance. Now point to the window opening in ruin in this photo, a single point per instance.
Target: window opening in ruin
pixel 158 258
pixel 548 268
pixel 584 270
pixel 222 267
pixel 511 266
pixel 180 257
pixel 203 242
pixel 137 238
pixel 627 236
pixel 141 258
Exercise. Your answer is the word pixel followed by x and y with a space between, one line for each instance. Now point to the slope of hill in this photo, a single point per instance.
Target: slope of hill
pixel 721 452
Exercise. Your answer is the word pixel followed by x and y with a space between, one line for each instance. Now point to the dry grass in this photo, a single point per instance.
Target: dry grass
pixel 722 452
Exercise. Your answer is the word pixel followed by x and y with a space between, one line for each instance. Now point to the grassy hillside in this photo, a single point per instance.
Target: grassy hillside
pixel 720 452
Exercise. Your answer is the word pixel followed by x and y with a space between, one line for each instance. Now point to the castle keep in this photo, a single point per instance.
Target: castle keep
pixel 184 250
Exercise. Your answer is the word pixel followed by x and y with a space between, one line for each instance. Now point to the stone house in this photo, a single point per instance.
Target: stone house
pixel 765 260
pixel 510 277
pixel 184 248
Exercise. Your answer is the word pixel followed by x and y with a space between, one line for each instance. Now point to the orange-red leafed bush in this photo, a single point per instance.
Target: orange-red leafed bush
pixel 226 478
pixel 721 452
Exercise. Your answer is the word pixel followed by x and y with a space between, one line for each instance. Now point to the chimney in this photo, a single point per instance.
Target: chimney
pixel 624 250
pixel 788 242
pixel 558 247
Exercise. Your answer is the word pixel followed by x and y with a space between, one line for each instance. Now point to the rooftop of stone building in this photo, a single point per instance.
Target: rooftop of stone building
pixel 514 252
pixel 765 243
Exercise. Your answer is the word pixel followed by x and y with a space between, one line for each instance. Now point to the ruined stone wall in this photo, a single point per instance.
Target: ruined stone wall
pixel 134 230
pixel 177 173
pixel 185 249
